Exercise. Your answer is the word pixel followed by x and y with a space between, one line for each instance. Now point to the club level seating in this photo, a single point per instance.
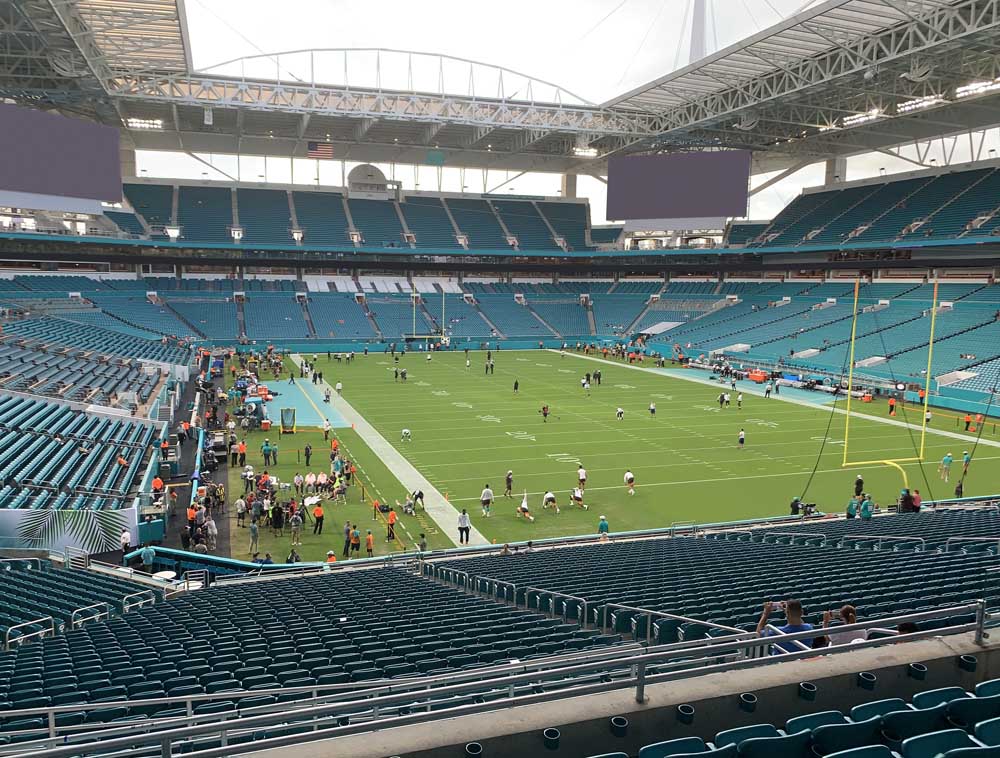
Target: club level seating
pixel 91 340
pixel 274 317
pixel 725 581
pixel 946 721
pixel 34 589
pixel 57 458
pixel 339 315
pixel 351 626
pixel 70 377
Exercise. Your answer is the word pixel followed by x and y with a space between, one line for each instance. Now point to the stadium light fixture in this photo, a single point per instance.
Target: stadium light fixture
pixel 861 118
pixel 585 152
pixel 978 88
pixel 918 103
pixel 144 123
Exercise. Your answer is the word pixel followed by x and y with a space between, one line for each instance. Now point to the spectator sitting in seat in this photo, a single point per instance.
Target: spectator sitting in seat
pixel 793 623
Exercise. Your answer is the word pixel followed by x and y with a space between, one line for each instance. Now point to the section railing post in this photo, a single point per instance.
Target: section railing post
pixel 640 682
pixel 980 622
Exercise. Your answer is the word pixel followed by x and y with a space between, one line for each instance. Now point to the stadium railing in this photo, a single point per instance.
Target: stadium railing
pixel 339 710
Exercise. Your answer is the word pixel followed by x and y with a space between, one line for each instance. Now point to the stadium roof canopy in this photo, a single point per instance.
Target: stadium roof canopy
pixel 844 77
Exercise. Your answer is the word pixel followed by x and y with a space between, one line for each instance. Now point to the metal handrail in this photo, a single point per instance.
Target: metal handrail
pixel 684 525
pixel 353 690
pixel 494 585
pixel 75 622
pixel 146 597
pixel 36 561
pixel 20 639
pixel 807 535
pixel 951 540
pixel 582 603
pixel 881 538
pixel 776 632
pixel 661 614
pixel 324 718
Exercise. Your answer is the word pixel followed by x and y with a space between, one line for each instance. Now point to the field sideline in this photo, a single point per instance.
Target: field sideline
pixel 469 428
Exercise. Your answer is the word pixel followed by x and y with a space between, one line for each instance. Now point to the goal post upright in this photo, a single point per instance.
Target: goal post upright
pixel 850 368
pixel 930 360
pixel 895 463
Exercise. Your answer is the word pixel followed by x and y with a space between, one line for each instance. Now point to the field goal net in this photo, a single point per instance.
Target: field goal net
pixel 896 399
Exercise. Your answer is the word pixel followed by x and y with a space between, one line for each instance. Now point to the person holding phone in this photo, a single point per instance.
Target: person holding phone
pixel 793 623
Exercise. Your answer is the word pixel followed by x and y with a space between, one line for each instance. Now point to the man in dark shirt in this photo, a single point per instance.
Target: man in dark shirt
pixel 859 486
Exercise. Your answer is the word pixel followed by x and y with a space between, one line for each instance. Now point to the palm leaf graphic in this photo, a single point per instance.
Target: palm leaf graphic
pixel 95 531
pixel 40 527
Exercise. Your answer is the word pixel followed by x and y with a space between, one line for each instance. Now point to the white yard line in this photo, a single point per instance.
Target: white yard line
pixel 444 514
pixel 754 390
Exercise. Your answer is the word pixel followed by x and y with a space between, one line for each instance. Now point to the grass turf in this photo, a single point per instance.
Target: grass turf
pixel 374 478
pixel 469 428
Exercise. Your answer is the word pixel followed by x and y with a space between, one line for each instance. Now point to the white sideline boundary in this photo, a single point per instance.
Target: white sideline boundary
pixel 755 391
pixel 442 512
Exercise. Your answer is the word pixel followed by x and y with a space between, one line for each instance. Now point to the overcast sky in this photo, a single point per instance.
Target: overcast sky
pixel 596 49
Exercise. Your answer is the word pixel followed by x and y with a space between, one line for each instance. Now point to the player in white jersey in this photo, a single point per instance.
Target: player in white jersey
pixel 576 498
pixel 581 477
pixel 620 414
pixel 630 481
pixel 549 500
pixel 405 436
pixel 523 509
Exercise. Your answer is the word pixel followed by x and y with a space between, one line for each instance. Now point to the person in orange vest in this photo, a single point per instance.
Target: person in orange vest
pixel 979 420
pixel 391 530
pixel 968 421
pixel 331 557
pixel 157 484
pixel 192 514
pixel 318 519
pixel 164 446
pixel 921 394
pixel 242 450
pixel 370 543
pixel 334 445
pixel 892 406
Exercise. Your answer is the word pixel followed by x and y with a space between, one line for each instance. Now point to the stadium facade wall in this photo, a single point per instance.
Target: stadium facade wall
pixel 583 722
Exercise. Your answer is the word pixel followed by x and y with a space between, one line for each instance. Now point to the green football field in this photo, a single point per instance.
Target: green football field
pixel 468 429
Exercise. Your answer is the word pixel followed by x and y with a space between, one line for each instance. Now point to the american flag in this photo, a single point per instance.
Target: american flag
pixel 320 150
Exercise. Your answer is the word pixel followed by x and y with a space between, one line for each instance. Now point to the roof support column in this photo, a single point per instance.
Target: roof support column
pixel 836 170
pixel 568 186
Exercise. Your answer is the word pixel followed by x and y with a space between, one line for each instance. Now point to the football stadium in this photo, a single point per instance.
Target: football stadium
pixel 608 379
